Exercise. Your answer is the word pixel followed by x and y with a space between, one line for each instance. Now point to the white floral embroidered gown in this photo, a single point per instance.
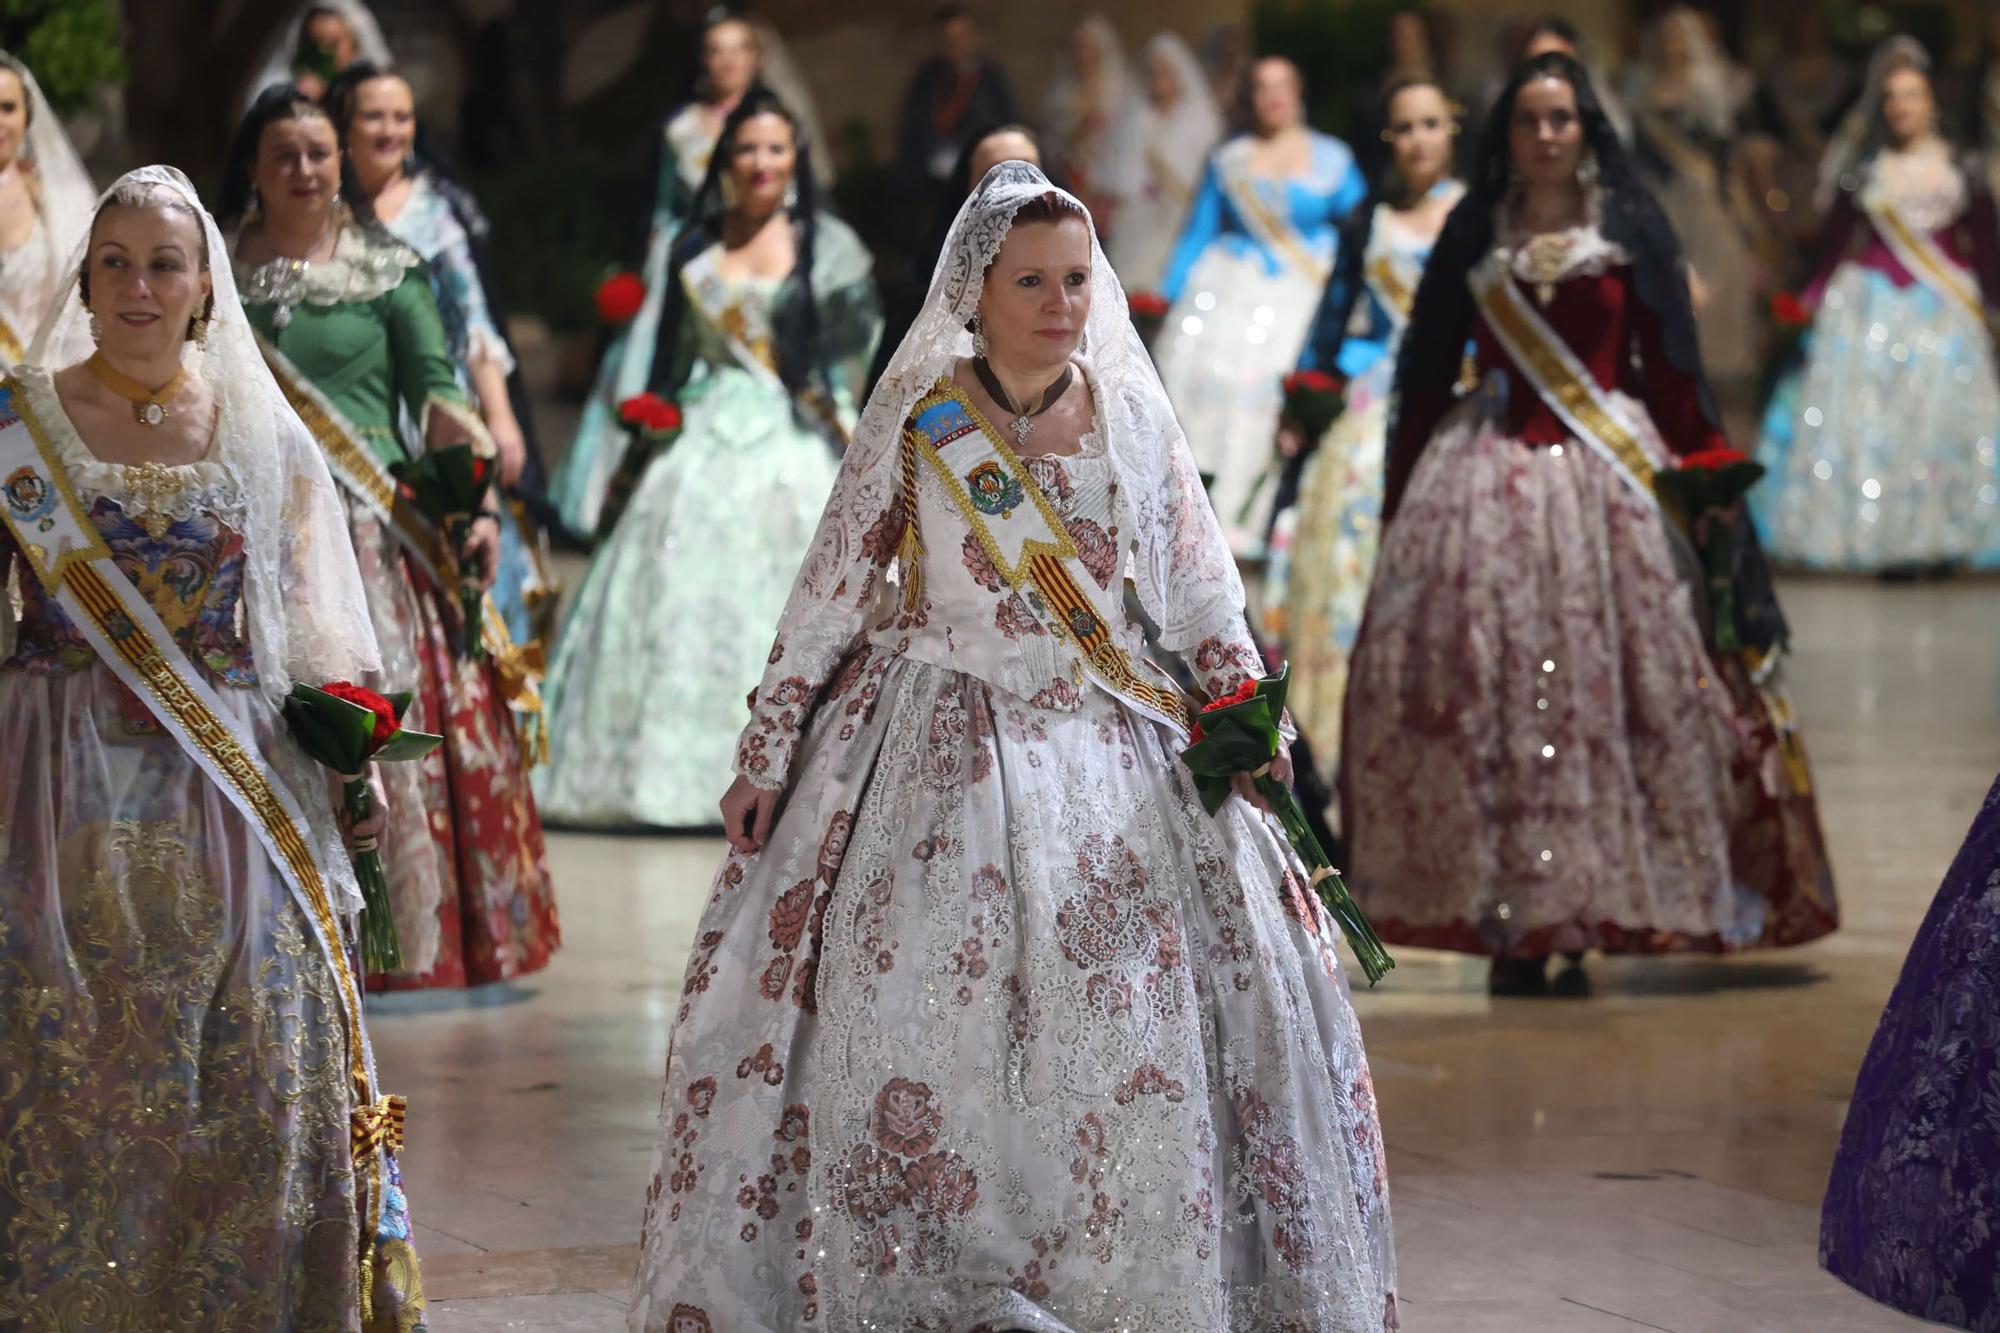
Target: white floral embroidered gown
pixel 1001 1030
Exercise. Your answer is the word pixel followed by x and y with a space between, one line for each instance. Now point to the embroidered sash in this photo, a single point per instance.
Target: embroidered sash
pixel 708 291
pixel 1563 382
pixel 1396 293
pixel 74 565
pixel 1272 228
pixel 1923 257
pixel 360 473
pixel 1030 546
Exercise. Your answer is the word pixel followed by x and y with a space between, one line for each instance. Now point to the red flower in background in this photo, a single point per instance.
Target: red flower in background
pixel 1149 305
pixel 1715 460
pixel 386 721
pixel 1312 381
pixel 650 412
pixel 619 298
pixel 1789 310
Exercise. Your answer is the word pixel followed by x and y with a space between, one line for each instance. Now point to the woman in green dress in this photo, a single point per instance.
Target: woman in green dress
pixel 346 318
pixel 769 320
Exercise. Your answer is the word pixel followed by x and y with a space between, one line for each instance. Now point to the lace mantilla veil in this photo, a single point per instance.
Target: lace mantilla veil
pixel 1177 558
pixel 303 601
pixel 66 191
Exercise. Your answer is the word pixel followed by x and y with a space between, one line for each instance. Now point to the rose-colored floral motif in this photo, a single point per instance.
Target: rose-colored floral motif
pixel 940 1185
pixel 790 914
pixel 980 565
pixel 1104 924
pixel 1052 479
pixel 764 1062
pixel 689 1319
pixel 1222 665
pixel 1151 1081
pixel 871 1183
pixel 1097 551
pixel 884 536
pixel 1057 696
pixel 1013 619
pixel 904 1121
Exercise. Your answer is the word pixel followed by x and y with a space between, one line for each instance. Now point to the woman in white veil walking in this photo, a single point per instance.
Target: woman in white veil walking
pixel 194 1138
pixel 45 202
pixel 1170 124
pixel 988 1023
pixel 322 38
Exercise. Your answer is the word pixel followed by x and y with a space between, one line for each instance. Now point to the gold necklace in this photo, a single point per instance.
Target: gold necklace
pixel 1547 254
pixel 148 405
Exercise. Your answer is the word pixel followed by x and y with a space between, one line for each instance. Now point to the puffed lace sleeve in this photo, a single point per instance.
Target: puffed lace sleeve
pixel 837 591
pixel 1180 563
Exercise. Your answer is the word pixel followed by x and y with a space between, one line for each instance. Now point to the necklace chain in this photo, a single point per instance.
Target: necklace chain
pixel 1023 422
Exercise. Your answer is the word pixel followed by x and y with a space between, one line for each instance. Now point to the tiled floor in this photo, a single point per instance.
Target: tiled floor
pixel 1650 1158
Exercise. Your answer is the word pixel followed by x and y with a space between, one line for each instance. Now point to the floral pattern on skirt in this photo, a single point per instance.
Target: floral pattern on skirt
pixel 1002 1031
pixel 463 850
pixel 1531 690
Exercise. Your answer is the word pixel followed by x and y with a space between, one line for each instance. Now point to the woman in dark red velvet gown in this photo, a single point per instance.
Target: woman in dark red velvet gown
pixel 1546 752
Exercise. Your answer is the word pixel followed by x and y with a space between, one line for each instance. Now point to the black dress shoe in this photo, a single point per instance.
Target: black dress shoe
pixel 1514 977
pixel 1572 983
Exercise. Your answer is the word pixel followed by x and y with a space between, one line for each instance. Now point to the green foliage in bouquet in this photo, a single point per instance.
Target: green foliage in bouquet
pixel 448 486
pixel 345 728
pixel 1239 734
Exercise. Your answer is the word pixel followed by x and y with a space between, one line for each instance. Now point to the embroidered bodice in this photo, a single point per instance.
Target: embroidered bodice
pixel 363 328
pixel 942 592
pixel 1581 284
pixel 974 618
pixel 734 311
pixel 1924 185
pixel 175 532
pixel 1373 294
pixel 1291 222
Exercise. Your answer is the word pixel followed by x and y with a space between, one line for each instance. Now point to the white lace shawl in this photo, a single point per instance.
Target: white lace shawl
pixel 1176 557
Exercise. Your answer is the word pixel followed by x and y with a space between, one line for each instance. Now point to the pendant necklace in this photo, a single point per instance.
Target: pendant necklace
pixel 1023 423
pixel 148 405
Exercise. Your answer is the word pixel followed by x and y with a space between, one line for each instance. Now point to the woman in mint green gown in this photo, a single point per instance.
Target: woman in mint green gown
pixel 769 319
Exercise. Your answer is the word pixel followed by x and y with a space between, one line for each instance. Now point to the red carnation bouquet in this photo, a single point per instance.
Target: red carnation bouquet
pixel 346 727
pixel 652 423
pixel 1239 734
pixel 1314 400
pixel 620 296
pixel 1710 482
pixel 1149 311
pixel 448 486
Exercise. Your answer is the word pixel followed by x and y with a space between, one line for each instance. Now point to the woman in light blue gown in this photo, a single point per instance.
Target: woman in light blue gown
pixel 1258 248
pixel 768 321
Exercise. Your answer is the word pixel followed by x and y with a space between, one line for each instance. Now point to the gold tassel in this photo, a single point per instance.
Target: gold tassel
pixel 910 560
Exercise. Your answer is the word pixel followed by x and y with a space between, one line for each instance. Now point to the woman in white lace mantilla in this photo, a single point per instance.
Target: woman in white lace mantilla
pixel 45 204
pixel 988 1025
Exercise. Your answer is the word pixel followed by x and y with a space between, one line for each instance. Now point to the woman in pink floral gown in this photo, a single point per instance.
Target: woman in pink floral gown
pixel 988 1025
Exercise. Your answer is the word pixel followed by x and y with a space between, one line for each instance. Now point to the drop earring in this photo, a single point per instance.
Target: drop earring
pixel 96 329
pixel 1586 171
pixel 978 338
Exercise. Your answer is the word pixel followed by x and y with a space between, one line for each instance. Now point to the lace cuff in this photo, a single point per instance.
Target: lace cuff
pixel 484 344
pixel 769 744
pixel 1221 662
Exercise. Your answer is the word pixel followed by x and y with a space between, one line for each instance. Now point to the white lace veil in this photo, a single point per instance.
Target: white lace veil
pixel 66 192
pixel 276 66
pixel 1181 566
pixel 1849 143
pixel 303 600
pixel 1185 135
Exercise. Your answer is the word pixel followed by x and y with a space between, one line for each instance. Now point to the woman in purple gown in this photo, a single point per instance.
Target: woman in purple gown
pixel 1912 1214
